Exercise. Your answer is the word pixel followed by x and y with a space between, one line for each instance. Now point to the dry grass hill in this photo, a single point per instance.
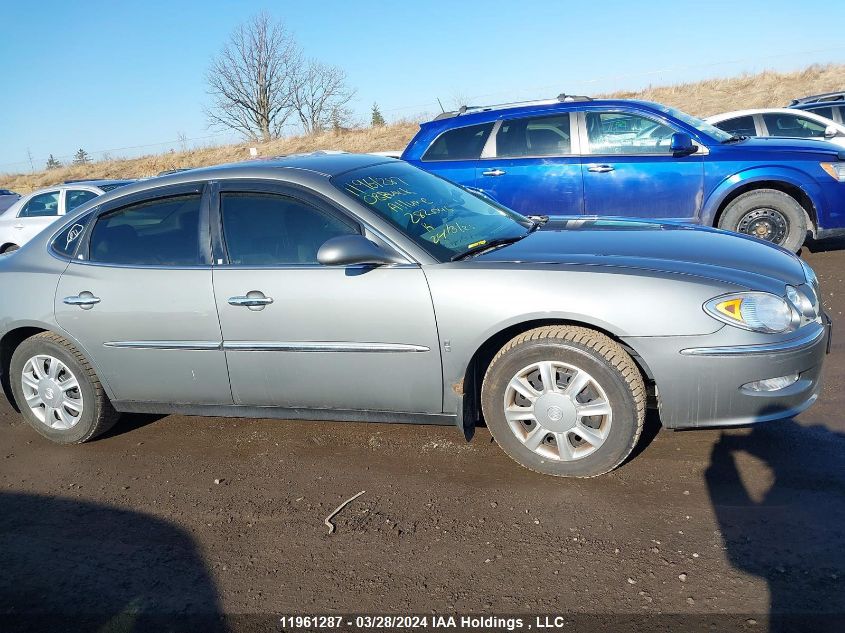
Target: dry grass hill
pixel 766 89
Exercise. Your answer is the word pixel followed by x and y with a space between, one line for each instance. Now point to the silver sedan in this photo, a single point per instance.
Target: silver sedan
pixel 361 288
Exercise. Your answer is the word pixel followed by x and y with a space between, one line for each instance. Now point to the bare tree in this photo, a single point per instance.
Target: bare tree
pixel 321 97
pixel 252 79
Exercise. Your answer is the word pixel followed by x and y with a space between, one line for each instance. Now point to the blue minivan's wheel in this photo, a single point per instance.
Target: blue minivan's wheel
pixel 769 215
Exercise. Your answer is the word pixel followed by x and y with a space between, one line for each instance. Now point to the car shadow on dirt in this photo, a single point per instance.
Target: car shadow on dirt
pixel 825 245
pixel 73 565
pixel 786 528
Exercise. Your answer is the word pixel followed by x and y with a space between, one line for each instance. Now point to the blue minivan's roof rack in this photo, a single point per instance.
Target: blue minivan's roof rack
pixel 827 96
pixel 562 97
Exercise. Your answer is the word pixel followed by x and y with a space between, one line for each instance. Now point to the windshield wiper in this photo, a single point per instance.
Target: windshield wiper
pixel 488 245
pixel 735 138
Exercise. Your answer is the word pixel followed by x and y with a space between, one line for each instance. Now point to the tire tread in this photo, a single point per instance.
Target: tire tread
pixel 106 414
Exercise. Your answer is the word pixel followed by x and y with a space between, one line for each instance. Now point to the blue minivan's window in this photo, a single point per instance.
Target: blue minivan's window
pixel 462 143
pixel 444 219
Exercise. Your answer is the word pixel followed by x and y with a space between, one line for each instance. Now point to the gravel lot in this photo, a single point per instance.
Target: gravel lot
pixel 212 515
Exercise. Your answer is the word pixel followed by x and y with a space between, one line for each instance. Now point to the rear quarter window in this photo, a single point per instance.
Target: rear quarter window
pixel 463 143
pixel 67 241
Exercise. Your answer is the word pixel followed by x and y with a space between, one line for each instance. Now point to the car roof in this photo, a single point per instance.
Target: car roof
pixel 326 163
pixel 320 164
pixel 483 114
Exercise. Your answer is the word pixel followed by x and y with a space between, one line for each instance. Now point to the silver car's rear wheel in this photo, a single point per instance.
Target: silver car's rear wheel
pixel 558 410
pixel 52 392
pixel 57 390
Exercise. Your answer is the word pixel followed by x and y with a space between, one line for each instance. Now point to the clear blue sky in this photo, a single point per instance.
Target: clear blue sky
pixel 114 75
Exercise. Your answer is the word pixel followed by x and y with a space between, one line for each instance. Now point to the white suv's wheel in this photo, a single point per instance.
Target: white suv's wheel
pixel 565 401
pixel 58 392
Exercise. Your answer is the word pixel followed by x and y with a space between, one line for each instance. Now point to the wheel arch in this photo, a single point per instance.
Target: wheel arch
pixel 469 388
pixel 8 344
pixel 790 188
pixel 5 246
pixel 16 335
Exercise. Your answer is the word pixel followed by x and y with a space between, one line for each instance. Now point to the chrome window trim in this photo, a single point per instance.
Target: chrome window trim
pixel 321 346
pixel 792 345
pixel 489 149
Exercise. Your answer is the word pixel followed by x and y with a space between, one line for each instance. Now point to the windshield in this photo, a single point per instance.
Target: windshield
pixel 702 126
pixel 444 219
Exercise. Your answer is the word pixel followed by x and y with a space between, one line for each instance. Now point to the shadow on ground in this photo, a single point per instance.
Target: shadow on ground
pixel 71 565
pixel 787 529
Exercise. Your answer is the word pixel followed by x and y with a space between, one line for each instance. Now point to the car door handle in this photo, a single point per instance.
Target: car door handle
pixel 254 300
pixel 493 172
pixel 18 226
pixel 84 300
pixel 600 169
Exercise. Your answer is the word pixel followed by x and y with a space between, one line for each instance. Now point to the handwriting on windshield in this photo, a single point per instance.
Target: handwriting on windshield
pixel 398 196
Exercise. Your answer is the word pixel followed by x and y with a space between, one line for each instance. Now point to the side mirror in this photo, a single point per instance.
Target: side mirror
pixel 831 132
pixel 348 250
pixel 682 145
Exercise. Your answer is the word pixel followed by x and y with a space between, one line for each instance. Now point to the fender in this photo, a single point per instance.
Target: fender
pixel 789 175
pixel 55 328
pixel 455 392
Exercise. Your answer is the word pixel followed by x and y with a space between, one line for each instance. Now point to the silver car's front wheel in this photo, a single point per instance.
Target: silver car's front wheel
pixel 52 392
pixel 557 410
pixel 57 390
pixel 564 400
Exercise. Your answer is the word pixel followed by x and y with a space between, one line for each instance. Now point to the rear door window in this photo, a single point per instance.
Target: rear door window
pixel 161 232
pixel 541 136
pixel 738 126
pixel 462 143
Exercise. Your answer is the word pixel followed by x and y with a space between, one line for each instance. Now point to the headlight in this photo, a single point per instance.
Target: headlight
pixel 835 170
pixel 755 311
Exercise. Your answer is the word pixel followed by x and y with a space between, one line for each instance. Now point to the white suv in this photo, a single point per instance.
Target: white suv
pixel 31 214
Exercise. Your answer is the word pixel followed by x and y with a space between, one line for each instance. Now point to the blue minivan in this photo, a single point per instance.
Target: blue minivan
pixel 578 156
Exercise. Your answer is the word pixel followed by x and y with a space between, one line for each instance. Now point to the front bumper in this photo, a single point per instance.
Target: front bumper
pixel 700 379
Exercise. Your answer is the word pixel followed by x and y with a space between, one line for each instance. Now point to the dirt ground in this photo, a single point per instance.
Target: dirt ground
pixel 184 515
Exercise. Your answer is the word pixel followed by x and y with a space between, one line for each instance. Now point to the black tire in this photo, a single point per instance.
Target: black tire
pixel 98 415
pixel 777 215
pixel 584 349
pixel 9 249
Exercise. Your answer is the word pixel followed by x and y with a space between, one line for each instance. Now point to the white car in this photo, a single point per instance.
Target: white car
pixel 787 122
pixel 27 217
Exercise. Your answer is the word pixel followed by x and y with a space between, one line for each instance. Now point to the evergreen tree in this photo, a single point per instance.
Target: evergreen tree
pixel 52 163
pixel 378 119
pixel 81 157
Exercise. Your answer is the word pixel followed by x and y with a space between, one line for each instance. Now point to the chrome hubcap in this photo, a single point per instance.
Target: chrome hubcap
pixel 557 410
pixel 52 392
